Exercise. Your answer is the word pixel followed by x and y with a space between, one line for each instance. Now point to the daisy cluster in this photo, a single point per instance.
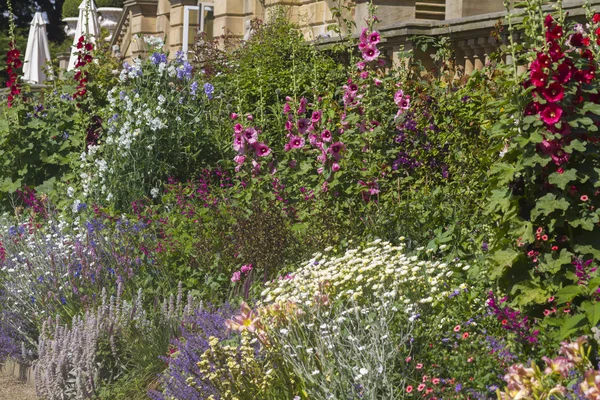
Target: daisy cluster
pixel 379 270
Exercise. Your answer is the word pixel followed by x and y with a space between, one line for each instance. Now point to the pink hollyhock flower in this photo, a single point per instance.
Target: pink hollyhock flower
pixel 370 53
pixel 374 38
pixel 302 108
pixel 554 33
pixel 289 125
pixel 551 114
pixel 303 124
pixel 297 142
pixel 239 159
pixel 352 87
pixel 316 116
pixel 326 136
pixel 336 150
pixel 250 135
pixel 554 93
pixel 238 128
pixel 364 74
pixel 255 167
pixel 404 103
pixel 262 150
pixel 361 65
pixel 312 139
pixel 287 147
pixel 398 96
pixel 233 116
pixel 381 62
pixel 377 82
pixel 246 268
pixel 238 142
pixel 335 167
pixel 249 117
pixel 236 276
pixel 364 35
pixel 287 108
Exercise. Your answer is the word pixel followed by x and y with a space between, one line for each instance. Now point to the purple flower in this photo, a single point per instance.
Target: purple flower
pixel 158 58
pixel 209 90
pixel 193 88
pixel 184 71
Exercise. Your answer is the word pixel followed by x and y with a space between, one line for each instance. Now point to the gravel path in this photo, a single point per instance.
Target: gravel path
pixel 12 389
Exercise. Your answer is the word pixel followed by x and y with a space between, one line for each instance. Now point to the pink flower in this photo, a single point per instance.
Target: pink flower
pixel 249 117
pixel 364 35
pixel 409 389
pixel 316 116
pixel 364 74
pixel 551 114
pixel 457 328
pixel 238 128
pixel 289 125
pixel 554 93
pixel 361 65
pixel 421 387
pixel 286 108
pixel 303 124
pixel 297 142
pixel 262 150
pixel 336 149
pixel 250 135
pixel 377 82
pixel 312 139
pixel 239 159
pixel 374 38
pixel 419 366
pixel 302 108
pixel 398 97
pixel 404 103
pixel 370 53
pixel 320 170
pixel 246 268
pixel 238 142
pixel 236 276
pixel 233 116
pixel 335 167
pixel 326 136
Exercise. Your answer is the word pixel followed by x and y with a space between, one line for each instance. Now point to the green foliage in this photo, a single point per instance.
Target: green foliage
pixel 70 8
pixel 108 3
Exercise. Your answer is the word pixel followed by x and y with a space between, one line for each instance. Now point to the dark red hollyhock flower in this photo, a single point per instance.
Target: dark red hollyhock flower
pixel 598 34
pixel 555 52
pixel 587 54
pixel 551 113
pixel 554 33
pixel 538 78
pixel 532 108
pixel 542 61
pixel 596 19
pixel 564 72
pixel 547 147
pixel 89 46
pixel 577 40
pixel 585 75
pixel 560 157
pixel 548 21
pixel 564 129
pixel 554 93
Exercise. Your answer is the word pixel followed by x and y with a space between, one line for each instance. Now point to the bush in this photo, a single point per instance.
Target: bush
pixel 70 8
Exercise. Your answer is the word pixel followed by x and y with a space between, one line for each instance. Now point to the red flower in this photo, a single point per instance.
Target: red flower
pixel 546 147
pixel 548 21
pixel 89 46
pixel 576 40
pixel 554 33
pixel 555 52
pixel 554 93
pixel 598 34
pixel 551 114
pixel 564 129
pixel 532 108
pixel 564 71
pixel 560 157
pixel 543 60
pixel 538 78
pixel 596 18
pixel 588 55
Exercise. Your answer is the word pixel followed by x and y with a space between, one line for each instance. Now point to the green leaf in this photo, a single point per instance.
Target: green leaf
pixel 572 324
pixel 552 265
pixel 575 145
pixel 567 293
pixel 548 204
pixel 592 311
pixel 503 259
pixel 562 180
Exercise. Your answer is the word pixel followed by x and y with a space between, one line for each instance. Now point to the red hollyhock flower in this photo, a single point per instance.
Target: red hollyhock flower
pixel 555 52
pixel 532 108
pixel 547 147
pixel 598 34
pixel 548 21
pixel 564 72
pixel 542 60
pixel 551 114
pixel 577 40
pixel 554 33
pixel 596 19
pixel 554 93
pixel 538 78
pixel 585 75
pixel 560 157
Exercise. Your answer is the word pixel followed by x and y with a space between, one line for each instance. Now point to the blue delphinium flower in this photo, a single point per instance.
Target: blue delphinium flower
pixel 209 90
pixel 158 58
pixel 193 88
pixel 184 71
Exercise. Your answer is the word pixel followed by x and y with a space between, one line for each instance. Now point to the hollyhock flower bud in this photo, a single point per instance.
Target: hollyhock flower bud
pixel 249 117
pixel 364 36
pixel 377 82
pixel 320 170
pixel 335 167
pixel 361 65
pixel 239 159
pixel 233 116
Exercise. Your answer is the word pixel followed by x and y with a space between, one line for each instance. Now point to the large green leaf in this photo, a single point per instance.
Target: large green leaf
pixel 547 204
pixel 572 324
pixel 562 180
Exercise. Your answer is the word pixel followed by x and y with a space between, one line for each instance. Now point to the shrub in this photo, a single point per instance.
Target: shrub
pixel 70 8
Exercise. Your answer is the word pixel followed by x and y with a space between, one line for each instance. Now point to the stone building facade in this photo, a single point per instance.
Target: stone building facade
pixel 467 23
